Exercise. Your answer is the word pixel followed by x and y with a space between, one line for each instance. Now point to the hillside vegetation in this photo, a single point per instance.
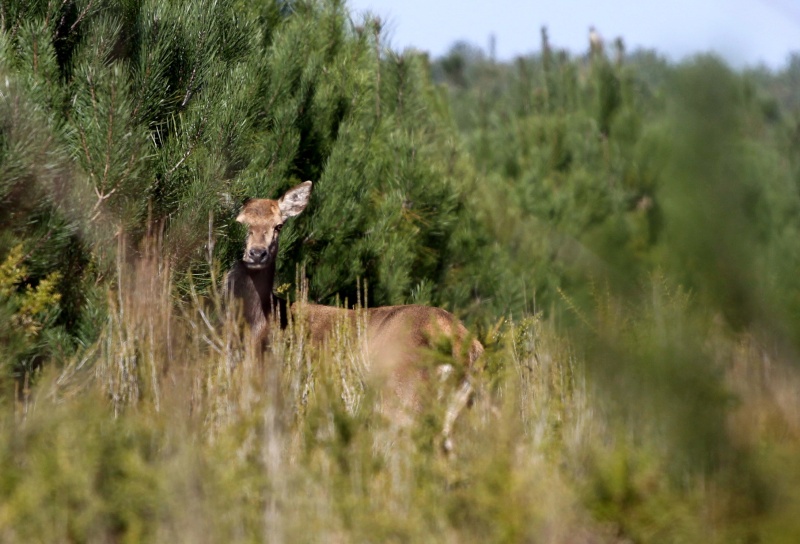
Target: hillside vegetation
pixel 622 233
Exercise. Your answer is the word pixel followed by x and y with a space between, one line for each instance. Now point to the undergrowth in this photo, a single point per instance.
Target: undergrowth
pixel 172 428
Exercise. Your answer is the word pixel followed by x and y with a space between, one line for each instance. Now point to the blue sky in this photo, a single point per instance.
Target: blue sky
pixel 744 32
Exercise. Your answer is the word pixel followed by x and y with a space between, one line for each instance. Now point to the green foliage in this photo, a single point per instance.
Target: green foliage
pixel 89 481
pixel 30 313
pixel 634 166
pixel 207 439
pixel 122 118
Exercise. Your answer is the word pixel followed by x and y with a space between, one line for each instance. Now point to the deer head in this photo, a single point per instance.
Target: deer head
pixel 264 219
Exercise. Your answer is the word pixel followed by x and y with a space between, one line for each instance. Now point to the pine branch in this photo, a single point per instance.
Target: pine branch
pixel 377 31
pixel 100 199
pixel 38 243
pixel 192 144
pixel 46 17
pixel 109 134
pixel 35 55
pixel 81 16
pixel 18 22
pixel 61 24
pixel 85 146
pixel 189 91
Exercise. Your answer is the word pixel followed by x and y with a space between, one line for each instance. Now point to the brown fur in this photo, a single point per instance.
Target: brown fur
pixel 407 327
pixel 399 339
pixel 397 336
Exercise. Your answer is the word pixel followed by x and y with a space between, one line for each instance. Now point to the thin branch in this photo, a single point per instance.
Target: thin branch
pixel 51 12
pixel 191 147
pixel 46 17
pixel 143 83
pixel 182 159
pixel 38 243
pixel 92 93
pixel 377 31
pixel 63 15
pixel 129 166
pixel 275 151
pixel 109 135
pixel 101 197
pixel 18 22
pixel 189 91
pixel 86 150
pixel 81 16
pixel 35 54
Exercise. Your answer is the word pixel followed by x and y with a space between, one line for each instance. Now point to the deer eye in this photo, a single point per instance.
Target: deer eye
pixel 278 227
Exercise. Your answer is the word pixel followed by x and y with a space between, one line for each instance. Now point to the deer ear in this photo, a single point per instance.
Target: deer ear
pixel 241 217
pixel 295 200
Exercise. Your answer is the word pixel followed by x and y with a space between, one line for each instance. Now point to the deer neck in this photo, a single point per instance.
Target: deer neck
pixel 253 287
pixel 263 281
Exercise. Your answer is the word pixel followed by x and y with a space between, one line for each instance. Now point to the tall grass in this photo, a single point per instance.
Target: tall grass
pixel 173 428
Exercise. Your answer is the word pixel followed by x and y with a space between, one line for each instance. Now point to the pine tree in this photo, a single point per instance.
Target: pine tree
pixel 127 118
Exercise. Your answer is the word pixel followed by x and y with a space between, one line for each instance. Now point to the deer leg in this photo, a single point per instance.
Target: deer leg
pixel 457 403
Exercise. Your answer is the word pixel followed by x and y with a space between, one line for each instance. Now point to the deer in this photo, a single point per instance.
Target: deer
pixel 397 337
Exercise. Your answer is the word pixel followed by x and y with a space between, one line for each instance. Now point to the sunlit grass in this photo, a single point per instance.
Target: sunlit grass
pixel 172 427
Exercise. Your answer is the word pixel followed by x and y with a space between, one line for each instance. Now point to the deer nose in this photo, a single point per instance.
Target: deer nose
pixel 257 254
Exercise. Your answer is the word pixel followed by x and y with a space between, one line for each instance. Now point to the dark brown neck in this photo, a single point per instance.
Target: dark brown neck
pixel 263 281
pixel 254 288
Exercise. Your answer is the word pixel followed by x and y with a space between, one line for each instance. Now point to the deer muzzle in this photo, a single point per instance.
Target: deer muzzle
pixel 256 257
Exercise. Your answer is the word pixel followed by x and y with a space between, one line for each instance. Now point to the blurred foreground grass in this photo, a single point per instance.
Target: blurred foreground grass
pixel 169 429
